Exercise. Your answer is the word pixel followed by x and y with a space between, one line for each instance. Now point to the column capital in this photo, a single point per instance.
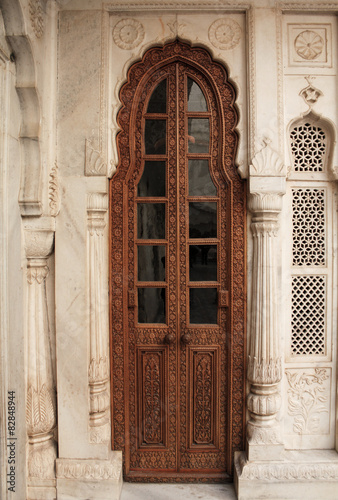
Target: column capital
pixel 39 238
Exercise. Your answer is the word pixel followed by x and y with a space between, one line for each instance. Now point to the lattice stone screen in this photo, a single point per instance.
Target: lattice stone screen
pixel 308 315
pixel 308 227
pixel 308 296
pixel 308 146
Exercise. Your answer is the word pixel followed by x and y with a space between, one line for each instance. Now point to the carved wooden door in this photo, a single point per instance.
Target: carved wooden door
pixel 174 398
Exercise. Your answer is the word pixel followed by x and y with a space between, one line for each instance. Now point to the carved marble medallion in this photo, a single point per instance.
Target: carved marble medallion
pixel 128 33
pixel 309 45
pixel 225 34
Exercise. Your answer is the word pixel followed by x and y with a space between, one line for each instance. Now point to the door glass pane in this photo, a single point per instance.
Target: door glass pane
pixel 203 305
pixel 198 135
pixel 196 99
pixel 151 220
pixel 158 100
pixel 155 137
pixel 200 182
pixel 203 219
pixel 203 262
pixel 151 305
pixel 152 182
pixel 151 263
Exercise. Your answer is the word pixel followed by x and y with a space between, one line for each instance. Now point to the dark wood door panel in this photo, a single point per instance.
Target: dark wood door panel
pixel 177 324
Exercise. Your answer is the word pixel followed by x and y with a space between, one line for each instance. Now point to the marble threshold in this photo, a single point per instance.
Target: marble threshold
pixel 140 491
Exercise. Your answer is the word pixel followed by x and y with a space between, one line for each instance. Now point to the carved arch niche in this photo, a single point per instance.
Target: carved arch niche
pixel 125 334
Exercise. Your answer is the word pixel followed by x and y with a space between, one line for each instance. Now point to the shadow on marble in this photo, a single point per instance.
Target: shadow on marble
pixel 134 491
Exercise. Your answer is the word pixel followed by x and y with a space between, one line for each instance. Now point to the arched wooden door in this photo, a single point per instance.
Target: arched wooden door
pixel 177 271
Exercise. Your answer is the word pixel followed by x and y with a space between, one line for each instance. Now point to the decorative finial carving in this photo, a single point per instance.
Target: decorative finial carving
pixel 310 94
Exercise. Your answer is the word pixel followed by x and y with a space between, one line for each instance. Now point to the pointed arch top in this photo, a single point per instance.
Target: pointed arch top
pixel 154 62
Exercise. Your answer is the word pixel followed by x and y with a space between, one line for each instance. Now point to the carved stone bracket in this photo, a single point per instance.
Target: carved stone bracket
pixel 266 188
pixel 41 399
pixel 98 371
pixel 95 164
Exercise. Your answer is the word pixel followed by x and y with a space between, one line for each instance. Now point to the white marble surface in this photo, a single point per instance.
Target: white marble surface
pixel 134 491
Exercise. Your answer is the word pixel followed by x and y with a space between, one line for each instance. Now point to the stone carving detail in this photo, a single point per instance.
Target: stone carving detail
pixel 98 370
pixel 225 34
pixel 54 196
pixel 309 45
pixel 176 28
pixel 40 410
pixel 286 471
pixel 40 403
pixel 36 16
pixel 267 161
pixel 310 94
pixel 95 163
pixel 307 399
pixel 128 33
pixel 89 470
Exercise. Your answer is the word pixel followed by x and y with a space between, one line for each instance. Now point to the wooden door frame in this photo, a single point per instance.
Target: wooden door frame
pixel 216 73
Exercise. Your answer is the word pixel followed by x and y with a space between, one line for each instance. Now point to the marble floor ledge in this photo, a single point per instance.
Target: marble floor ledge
pixel 138 491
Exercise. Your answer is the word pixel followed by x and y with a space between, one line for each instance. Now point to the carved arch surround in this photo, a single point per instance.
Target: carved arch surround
pixel 140 72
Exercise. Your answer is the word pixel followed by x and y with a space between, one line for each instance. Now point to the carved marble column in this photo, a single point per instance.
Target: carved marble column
pixel 41 400
pixel 98 364
pixel 267 186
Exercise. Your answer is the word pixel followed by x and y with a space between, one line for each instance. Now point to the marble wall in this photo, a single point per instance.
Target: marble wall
pixel 62 64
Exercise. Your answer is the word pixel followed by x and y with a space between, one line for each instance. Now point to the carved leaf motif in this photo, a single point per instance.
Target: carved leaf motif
pixel 306 401
pixel 40 410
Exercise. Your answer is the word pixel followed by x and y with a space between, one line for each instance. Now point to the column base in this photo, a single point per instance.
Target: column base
pixel 89 479
pixel 310 474
pixel 41 489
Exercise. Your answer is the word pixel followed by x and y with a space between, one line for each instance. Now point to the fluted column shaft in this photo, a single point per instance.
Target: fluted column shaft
pixel 98 372
pixel 264 357
pixel 40 399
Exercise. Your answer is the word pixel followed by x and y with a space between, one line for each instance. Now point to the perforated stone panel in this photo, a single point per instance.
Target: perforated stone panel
pixel 308 231
pixel 308 315
pixel 308 146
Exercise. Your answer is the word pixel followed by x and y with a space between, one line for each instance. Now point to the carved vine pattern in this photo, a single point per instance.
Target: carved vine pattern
pixel 142 77
pixel 307 399
pixel 152 399
pixel 203 399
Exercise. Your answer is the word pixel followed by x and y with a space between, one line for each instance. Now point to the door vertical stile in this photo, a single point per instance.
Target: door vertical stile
pixel 125 286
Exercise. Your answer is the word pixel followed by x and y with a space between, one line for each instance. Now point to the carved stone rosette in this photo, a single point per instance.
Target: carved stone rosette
pixel 267 186
pixel 98 372
pixel 40 396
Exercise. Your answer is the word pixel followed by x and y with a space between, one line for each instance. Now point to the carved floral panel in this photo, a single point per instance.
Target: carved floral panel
pixel 308 401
